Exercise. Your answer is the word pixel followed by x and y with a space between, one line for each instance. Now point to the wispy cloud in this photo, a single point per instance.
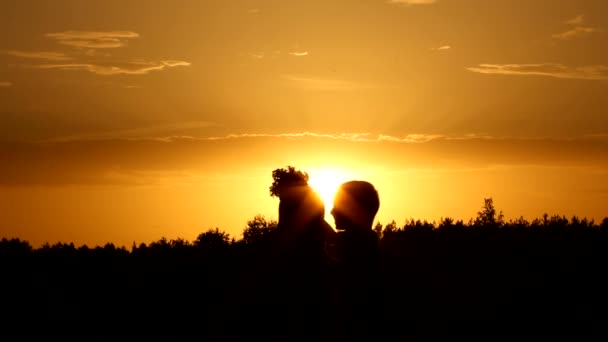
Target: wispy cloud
pixel 341 136
pixel 579 19
pixel 592 72
pixel 254 11
pixel 578 30
pixel 350 137
pixel 274 54
pixel 442 48
pixel 412 2
pixel 5 84
pixel 374 137
pixel 155 133
pixel 51 56
pixel 353 137
pixel 87 42
pixel 257 55
pixel 93 39
pixel 318 83
pixel 299 53
pixel 172 63
pixel 411 138
pixel 132 161
pixel 133 68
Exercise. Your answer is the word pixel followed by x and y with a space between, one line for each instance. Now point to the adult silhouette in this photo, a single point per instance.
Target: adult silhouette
pixel 355 207
pixel 298 258
pixel 302 231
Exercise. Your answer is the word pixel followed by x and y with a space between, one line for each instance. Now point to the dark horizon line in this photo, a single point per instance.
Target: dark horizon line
pixel 379 228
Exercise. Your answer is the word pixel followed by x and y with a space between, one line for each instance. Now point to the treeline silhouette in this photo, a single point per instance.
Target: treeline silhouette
pixel 487 277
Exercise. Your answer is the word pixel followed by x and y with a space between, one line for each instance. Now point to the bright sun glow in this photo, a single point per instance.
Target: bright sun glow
pixel 326 182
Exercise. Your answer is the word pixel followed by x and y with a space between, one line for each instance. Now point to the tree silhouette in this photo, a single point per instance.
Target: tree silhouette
pixel 14 247
pixel 212 240
pixel 487 216
pixel 378 229
pixel 258 229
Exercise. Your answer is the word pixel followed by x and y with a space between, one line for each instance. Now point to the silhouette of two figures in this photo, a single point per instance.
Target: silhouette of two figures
pixel 326 274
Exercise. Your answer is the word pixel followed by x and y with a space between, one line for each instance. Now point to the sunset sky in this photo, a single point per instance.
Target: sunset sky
pixel 128 121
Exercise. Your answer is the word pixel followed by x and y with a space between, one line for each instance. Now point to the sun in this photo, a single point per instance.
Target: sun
pixel 326 182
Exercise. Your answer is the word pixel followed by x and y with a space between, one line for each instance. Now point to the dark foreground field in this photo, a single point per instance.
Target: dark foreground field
pixel 542 279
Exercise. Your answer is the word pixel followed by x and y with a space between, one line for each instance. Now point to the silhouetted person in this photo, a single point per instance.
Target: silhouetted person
pixel 302 230
pixel 299 263
pixel 301 225
pixel 355 207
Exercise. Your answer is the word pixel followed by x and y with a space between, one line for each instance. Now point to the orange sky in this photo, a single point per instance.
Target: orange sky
pixel 126 121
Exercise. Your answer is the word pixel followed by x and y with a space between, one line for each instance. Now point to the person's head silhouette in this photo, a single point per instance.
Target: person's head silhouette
pixel 299 207
pixel 355 206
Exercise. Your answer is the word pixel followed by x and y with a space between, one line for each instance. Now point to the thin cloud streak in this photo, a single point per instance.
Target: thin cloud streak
pixel 151 133
pixel 172 63
pixel 353 137
pixel 88 161
pixel 577 32
pixel 299 53
pixel 411 138
pixel 411 2
pixel 342 136
pixel 350 137
pixel 5 84
pixel 51 56
pixel 579 19
pixel 93 39
pixel 442 48
pixel 67 35
pixel 135 68
pixel 254 55
pixel 592 72
pixel 373 138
